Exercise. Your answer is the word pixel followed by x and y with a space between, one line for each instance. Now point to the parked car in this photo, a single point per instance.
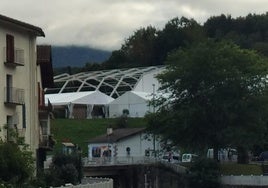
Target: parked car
pixel 188 157
pixel 172 157
pixel 263 156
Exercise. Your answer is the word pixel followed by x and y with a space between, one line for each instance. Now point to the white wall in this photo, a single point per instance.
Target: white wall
pixel 145 84
pixel 136 105
pixel 137 144
pixel 242 180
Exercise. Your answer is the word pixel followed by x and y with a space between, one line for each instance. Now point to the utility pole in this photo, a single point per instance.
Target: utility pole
pixel 154 113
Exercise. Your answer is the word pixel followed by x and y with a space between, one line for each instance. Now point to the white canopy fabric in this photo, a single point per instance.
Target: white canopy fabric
pixel 136 102
pixel 87 97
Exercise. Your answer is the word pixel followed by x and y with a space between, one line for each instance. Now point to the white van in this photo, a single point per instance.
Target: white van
pixel 188 157
pixel 224 154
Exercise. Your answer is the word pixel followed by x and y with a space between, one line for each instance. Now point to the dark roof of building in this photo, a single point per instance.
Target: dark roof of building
pixel 37 30
pixel 117 134
pixel 44 59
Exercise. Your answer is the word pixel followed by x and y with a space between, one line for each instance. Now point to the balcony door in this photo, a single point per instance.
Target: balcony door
pixel 10 49
pixel 10 128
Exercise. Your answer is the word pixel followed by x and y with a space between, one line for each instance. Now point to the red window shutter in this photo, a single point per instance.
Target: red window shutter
pixel 10 48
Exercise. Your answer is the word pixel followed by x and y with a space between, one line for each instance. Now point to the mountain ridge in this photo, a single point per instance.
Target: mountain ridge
pixel 77 56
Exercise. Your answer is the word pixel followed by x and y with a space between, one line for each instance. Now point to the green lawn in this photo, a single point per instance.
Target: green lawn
pixel 78 131
pixel 238 169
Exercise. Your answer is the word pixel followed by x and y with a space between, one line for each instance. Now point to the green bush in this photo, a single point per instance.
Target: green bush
pixel 64 169
pixel 204 173
pixel 16 165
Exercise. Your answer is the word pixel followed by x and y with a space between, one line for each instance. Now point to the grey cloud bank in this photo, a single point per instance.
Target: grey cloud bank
pixel 105 24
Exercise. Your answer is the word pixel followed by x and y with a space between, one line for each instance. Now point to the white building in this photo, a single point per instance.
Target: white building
pixel 125 142
pixel 21 83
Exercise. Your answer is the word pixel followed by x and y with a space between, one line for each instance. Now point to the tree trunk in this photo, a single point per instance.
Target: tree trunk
pixel 215 153
pixel 242 157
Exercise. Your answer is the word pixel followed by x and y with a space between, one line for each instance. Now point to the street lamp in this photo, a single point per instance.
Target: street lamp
pixel 154 113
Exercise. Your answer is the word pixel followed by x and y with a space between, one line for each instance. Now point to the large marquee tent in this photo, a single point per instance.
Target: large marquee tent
pixel 114 82
pixel 72 90
pixel 88 99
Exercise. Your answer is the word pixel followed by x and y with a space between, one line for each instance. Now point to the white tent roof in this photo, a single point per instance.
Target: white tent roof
pixel 144 95
pixel 114 82
pixel 89 97
pixel 133 97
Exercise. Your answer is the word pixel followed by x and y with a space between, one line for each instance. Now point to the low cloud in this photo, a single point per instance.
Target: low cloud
pixel 105 24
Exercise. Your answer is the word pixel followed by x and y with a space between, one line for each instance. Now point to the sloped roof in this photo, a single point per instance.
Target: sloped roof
pixel 36 30
pixel 44 59
pixel 133 97
pixel 144 95
pixel 118 134
pixel 89 97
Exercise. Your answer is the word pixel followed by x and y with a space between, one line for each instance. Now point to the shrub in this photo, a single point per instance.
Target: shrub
pixel 204 173
pixel 64 169
pixel 16 165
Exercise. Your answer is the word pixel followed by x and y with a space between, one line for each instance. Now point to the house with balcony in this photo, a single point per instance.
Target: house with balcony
pixel 22 108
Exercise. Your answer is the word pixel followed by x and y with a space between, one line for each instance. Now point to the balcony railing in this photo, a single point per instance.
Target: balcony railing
pixel 18 58
pixel 46 141
pixel 14 96
pixel 130 160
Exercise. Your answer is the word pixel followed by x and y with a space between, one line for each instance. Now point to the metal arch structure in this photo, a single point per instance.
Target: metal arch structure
pixel 113 82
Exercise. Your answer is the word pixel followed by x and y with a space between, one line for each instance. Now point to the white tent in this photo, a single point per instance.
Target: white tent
pixel 88 98
pixel 137 103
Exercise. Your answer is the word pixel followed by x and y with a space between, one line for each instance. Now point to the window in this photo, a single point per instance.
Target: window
pixel 11 128
pixel 10 48
pixel 9 88
pixel 96 152
pixel 128 151
pixel 23 116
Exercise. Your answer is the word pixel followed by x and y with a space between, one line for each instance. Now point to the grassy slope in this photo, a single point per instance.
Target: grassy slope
pixel 79 131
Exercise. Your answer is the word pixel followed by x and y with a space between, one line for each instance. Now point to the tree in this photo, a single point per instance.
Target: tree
pixel 139 48
pixel 149 46
pixel 64 169
pixel 16 164
pixel 204 173
pixel 218 97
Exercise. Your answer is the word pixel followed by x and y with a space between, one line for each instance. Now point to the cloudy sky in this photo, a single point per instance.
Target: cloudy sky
pixel 105 24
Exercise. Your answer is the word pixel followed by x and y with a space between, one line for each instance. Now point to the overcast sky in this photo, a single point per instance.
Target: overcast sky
pixel 105 24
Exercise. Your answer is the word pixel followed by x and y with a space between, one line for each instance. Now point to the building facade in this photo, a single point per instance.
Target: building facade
pixel 124 142
pixel 21 84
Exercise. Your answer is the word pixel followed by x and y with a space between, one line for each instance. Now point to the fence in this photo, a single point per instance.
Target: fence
pixel 117 161
pixel 251 180
pixel 92 183
pixel 113 161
